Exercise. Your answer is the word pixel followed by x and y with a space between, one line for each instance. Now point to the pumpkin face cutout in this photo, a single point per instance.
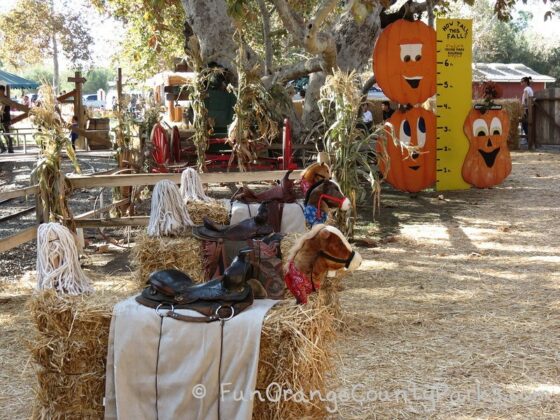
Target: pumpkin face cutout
pixel 416 170
pixel 488 161
pixel 404 61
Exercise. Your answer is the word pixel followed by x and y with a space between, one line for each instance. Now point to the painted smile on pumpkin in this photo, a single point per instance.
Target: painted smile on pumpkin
pixel 413 81
pixel 415 167
pixel 489 157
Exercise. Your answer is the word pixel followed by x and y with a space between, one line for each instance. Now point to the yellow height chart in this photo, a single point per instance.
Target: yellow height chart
pixel 454 100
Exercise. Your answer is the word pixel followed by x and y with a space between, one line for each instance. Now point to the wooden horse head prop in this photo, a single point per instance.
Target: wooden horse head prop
pixel 313 174
pixel 322 196
pixel 322 249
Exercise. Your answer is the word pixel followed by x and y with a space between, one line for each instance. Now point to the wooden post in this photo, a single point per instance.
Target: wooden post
pixel 531 140
pixel 78 80
pixel 123 156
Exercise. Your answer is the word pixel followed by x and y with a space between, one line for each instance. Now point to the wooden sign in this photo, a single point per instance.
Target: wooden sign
pixel 453 100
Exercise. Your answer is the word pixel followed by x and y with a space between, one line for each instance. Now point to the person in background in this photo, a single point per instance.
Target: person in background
pixel 6 120
pixel 367 116
pixel 73 134
pixel 527 93
pixel 26 101
pixel 387 110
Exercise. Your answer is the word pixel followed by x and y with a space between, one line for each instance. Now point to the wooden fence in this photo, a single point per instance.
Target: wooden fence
pixel 546 116
pixel 93 218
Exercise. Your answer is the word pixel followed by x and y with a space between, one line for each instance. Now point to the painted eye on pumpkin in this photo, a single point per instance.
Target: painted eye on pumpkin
pixel 421 132
pixel 405 133
pixel 496 127
pixel 408 51
pixel 480 128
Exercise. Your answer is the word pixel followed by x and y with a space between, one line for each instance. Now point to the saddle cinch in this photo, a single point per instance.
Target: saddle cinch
pixel 219 299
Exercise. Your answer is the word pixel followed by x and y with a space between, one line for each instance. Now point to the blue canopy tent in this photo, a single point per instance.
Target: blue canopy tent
pixel 16 82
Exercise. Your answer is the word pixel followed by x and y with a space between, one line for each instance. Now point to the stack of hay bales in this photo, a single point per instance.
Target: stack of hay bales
pixel 70 350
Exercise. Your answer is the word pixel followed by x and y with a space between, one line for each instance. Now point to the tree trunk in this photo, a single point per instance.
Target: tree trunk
pixel 214 28
pixel 311 114
pixel 56 75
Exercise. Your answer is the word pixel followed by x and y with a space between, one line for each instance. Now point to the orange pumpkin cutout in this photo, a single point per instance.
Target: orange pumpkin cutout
pixel 404 61
pixel 412 172
pixel 488 161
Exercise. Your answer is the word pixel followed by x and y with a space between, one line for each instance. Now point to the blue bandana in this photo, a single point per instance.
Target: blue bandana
pixel 310 213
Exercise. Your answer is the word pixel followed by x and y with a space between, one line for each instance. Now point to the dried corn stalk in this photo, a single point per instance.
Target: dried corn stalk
pixel 350 147
pixel 52 139
pixel 255 123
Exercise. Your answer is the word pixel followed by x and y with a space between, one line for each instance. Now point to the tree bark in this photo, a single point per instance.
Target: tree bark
pixel 266 37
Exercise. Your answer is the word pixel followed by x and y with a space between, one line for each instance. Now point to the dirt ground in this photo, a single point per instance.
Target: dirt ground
pixel 454 313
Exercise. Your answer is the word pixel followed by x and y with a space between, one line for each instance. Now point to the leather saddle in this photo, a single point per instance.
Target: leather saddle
pixel 219 299
pixel 283 193
pixel 247 229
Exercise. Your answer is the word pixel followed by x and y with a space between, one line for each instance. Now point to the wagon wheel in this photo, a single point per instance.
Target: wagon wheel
pixel 161 152
pixel 176 145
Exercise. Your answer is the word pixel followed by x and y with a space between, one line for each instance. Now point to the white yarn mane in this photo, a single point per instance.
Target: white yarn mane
pixel 191 186
pixel 168 215
pixel 58 266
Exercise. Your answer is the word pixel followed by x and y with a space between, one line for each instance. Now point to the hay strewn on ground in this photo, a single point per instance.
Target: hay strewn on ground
pixel 213 210
pixel 458 315
pixel 181 253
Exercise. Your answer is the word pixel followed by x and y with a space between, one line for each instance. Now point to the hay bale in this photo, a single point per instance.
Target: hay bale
pixel 183 253
pixel 295 355
pixel 214 210
pixel 71 349
pixel 515 112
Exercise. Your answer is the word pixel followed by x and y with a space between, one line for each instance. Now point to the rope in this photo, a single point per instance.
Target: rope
pixel 58 266
pixel 191 186
pixel 168 216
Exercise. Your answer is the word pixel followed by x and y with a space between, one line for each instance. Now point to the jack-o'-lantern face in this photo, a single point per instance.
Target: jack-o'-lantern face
pixel 488 161
pixel 416 170
pixel 404 61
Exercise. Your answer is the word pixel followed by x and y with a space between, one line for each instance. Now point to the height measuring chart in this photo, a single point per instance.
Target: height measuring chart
pixel 453 100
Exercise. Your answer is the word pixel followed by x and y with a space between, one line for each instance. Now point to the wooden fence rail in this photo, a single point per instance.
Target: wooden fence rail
pixel 134 180
pixel 21 192
pixel 87 220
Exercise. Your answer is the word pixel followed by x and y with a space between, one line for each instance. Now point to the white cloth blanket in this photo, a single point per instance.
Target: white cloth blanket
pixel 161 368
pixel 293 220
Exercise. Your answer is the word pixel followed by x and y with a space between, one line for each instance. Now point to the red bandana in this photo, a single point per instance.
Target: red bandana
pixel 305 185
pixel 298 283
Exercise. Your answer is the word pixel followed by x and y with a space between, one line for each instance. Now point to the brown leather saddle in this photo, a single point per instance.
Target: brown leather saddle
pixel 219 299
pixel 283 193
pixel 247 229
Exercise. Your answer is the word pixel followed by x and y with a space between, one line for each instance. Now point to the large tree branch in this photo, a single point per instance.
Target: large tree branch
pixel 293 22
pixel 313 26
pixel 293 71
